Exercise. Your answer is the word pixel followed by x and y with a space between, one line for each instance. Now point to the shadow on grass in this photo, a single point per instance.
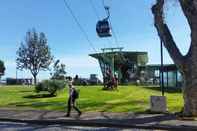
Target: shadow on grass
pixel 54 105
pixel 85 106
pixel 26 91
pixel 39 96
pixel 168 89
pixel 134 103
pixel 89 106
pixel 135 106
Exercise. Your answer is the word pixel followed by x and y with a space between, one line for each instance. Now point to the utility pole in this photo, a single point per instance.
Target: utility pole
pixel 16 75
pixel 161 69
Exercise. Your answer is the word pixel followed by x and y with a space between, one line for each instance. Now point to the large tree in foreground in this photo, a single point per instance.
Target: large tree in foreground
pixel 2 68
pixel 34 54
pixel 187 64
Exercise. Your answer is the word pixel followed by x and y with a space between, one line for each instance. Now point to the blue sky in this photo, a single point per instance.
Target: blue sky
pixel 131 19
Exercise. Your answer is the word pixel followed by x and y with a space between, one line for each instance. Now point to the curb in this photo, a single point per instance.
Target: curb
pixel 92 123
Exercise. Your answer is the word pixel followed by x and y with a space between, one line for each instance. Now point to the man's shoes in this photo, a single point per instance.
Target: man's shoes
pixel 79 114
pixel 67 115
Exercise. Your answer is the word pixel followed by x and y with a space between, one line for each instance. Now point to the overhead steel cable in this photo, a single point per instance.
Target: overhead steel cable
pixel 94 9
pixel 96 13
pixel 79 25
pixel 98 17
pixel 113 32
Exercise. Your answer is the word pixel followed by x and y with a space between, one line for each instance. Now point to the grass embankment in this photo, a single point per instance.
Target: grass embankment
pixel 92 98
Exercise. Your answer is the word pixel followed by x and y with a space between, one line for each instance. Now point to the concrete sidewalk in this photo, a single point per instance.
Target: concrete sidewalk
pixel 98 119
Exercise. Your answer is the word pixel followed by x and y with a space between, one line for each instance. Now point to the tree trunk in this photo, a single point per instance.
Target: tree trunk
pixel 190 95
pixel 189 8
pixel 35 79
pixel 187 64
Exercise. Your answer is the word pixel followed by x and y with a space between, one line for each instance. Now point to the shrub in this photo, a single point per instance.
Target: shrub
pixel 52 86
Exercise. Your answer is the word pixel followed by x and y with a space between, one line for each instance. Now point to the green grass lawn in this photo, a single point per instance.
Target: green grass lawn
pixel 92 98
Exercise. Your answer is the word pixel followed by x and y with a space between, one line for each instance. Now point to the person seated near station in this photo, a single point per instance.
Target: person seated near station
pixel 109 79
pixel 115 82
pixel 112 83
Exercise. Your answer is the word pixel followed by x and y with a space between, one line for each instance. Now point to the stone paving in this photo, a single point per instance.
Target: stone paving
pixel 145 121
pixel 13 126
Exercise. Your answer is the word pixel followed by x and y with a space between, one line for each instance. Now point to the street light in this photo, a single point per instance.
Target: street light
pixel 158 103
pixel 16 73
pixel 161 69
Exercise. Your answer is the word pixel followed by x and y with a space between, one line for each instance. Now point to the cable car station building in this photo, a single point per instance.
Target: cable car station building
pixel 131 67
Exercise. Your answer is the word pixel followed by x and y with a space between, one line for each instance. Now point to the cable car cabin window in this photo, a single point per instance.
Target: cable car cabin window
pixel 103 29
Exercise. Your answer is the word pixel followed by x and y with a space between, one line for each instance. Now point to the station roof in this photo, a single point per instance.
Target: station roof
pixel 166 67
pixel 120 56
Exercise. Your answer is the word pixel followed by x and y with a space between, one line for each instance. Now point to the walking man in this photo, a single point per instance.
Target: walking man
pixel 73 95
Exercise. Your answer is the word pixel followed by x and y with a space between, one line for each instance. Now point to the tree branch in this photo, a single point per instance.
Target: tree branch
pixel 165 34
pixel 189 8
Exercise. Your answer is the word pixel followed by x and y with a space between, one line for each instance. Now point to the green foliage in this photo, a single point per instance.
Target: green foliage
pixel 2 68
pixel 92 98
pixel 34 54
pixel 59 72
pixel 52 86
pixel 142 59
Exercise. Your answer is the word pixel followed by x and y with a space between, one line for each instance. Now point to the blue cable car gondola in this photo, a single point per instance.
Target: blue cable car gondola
pixel 103 28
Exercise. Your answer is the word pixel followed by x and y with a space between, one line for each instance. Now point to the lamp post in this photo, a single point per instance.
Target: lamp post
pixel 158 103
pixel 16 75
pixel 161 69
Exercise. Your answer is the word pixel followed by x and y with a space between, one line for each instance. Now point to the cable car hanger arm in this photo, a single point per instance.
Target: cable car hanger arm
pixel 107 12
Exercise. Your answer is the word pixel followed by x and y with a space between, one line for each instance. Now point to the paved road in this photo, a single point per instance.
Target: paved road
pixel 11 126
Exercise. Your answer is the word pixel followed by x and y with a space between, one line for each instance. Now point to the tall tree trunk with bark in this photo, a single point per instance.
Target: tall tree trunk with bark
pixel 35 79
pixel 186 64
